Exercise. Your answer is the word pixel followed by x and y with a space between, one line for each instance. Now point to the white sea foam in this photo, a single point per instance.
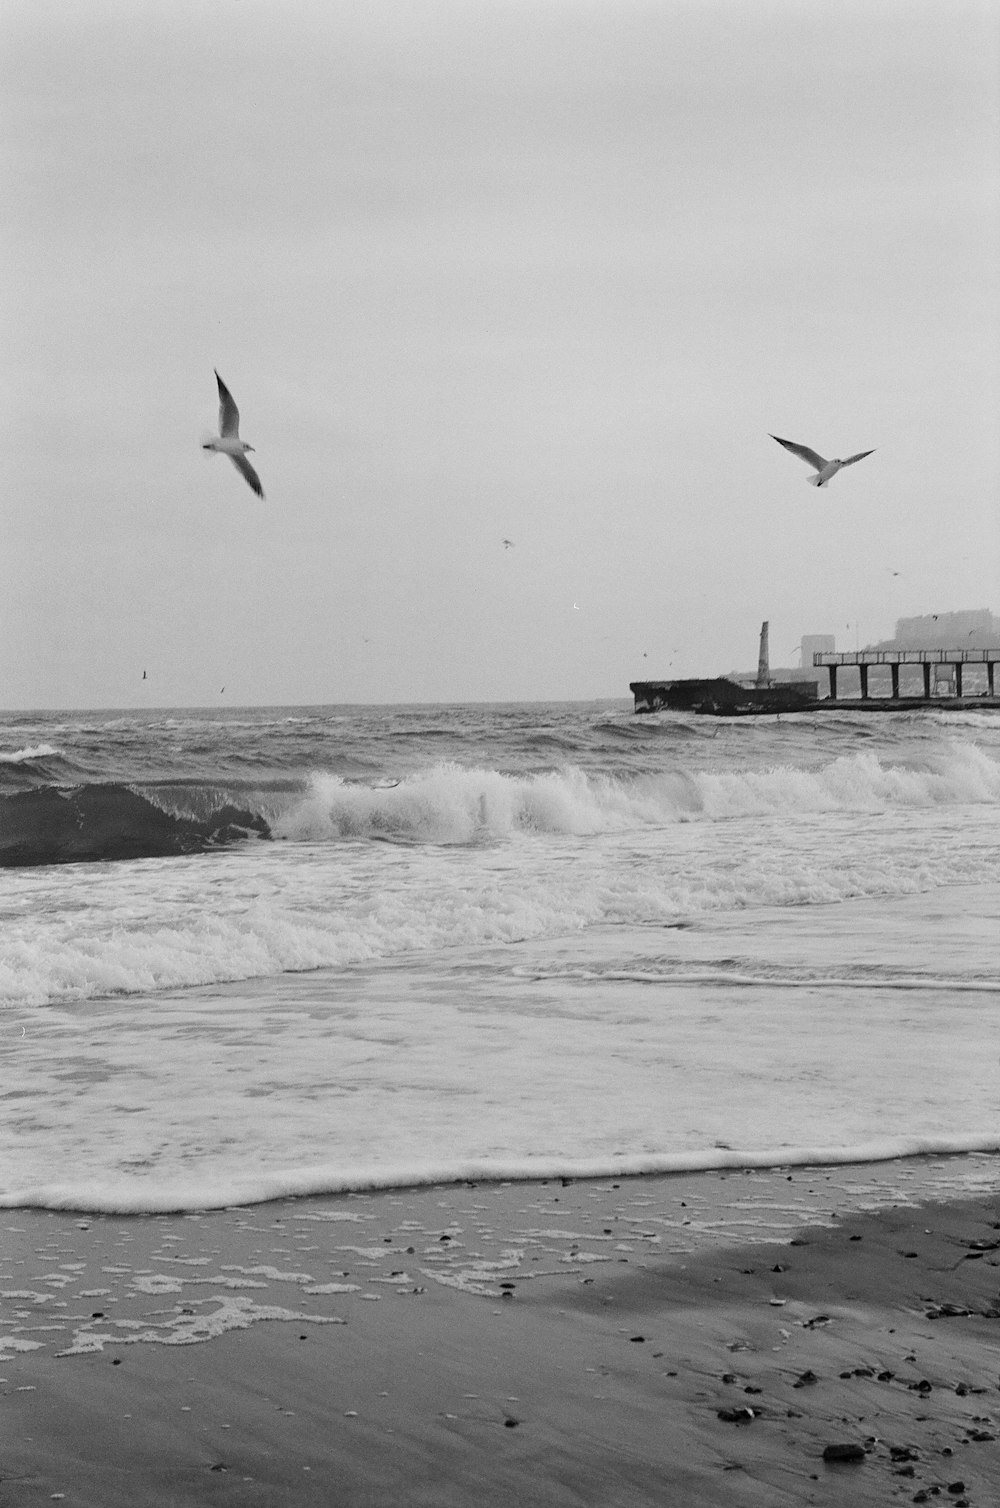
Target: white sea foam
pixel 778 942
pixel 128 1198
pixel 193 1329
pixel 453 804
pixel 577 1056
pixel 34 751
pixel 282 908
pixel 14 1345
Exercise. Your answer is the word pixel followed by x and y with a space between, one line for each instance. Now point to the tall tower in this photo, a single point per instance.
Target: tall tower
pixel 763 668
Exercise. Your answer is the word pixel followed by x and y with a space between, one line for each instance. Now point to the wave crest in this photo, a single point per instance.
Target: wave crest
pixel 25 756
pixel 453 804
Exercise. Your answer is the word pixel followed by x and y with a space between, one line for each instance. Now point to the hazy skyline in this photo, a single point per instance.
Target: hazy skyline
pixel 544 271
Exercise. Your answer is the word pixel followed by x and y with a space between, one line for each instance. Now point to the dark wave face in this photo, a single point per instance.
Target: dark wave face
pixel 53 826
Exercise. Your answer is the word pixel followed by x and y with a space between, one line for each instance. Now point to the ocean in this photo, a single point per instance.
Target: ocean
pixel 294 950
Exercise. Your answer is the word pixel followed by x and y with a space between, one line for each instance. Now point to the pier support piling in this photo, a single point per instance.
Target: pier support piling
pixel 943 671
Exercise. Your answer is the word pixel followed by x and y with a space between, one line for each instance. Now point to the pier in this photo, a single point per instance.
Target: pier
pixel 738 696
pixel 954 661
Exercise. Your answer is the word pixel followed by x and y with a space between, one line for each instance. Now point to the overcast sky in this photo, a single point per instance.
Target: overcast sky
pixel 544 270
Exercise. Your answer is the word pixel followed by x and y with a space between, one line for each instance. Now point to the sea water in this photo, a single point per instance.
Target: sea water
pixel 365 946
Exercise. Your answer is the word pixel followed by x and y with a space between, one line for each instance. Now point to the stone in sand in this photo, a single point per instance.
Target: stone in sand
pixel 849 1452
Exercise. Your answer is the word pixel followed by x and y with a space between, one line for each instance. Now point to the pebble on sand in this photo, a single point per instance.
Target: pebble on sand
pixel 847 1452
pixel 737 1416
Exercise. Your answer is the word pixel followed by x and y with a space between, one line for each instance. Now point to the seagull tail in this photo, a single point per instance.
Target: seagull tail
pixel 814 480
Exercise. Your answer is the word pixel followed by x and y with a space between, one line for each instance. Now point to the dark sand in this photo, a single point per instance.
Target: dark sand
pixel 382 1362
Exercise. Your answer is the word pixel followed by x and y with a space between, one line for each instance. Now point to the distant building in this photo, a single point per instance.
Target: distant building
pixel 973 629
pixel 825 644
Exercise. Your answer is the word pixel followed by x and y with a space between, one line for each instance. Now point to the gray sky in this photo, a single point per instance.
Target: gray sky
pixel 549 270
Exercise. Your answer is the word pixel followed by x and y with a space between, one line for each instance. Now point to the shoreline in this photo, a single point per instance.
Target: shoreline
pixel 561 1342
pixel 278 1187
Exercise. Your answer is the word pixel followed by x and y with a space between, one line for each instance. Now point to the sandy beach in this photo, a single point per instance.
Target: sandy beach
pixel 606 1342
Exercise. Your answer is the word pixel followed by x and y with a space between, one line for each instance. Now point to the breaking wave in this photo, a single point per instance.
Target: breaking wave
pixel 452 804
pixel 449 803
pixel 22 756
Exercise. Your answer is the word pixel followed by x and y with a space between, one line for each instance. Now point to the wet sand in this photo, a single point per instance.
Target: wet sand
pixel 694 1339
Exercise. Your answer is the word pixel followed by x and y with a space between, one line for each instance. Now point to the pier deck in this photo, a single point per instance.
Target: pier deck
pixel 952 661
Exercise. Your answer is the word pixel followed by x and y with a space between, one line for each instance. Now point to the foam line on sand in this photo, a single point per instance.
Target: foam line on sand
pixel 699 1339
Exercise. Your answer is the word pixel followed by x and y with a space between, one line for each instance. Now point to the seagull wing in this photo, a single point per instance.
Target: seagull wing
pixel 246 470
pixel 229 414
pixel 803 452
pixel 859 457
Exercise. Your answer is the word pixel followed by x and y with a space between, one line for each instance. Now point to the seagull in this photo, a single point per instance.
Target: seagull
pixel 825 470
pixel 508 544
pixel 229 442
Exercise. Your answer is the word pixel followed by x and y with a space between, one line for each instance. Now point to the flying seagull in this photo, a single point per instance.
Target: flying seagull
pixel 825 470
pixel 229 442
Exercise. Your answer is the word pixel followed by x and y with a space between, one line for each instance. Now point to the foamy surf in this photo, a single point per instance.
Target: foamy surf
pixel 545 1058
pixel 288 908
pixel 22 756
pixel 495 942
pixel 131 1198
pixel 450 803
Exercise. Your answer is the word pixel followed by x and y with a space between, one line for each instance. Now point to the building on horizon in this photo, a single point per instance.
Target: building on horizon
pixel 974 628
pixel 825 644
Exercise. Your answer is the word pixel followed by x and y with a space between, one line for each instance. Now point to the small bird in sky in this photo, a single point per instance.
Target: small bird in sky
pixel 229 442
pixel 825 470
pixel 508 544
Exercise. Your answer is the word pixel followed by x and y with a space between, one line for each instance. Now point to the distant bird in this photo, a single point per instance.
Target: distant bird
pixel 144 675
pixel 508 544
pixel 825 470
pixel 229 442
